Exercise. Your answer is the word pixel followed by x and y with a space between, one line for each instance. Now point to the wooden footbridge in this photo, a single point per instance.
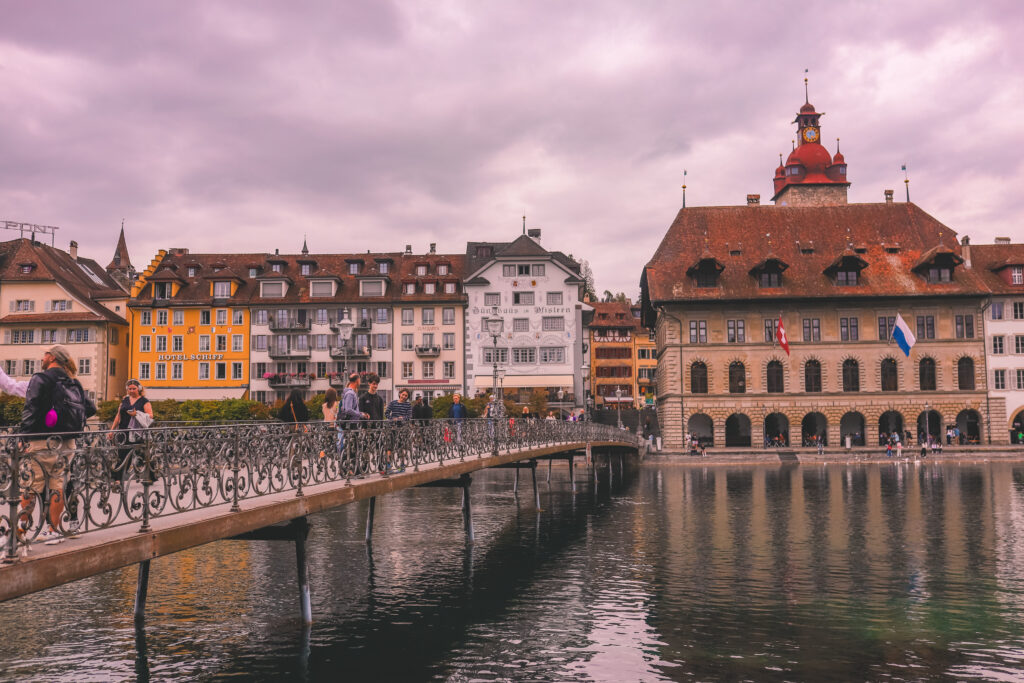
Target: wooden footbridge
pixel 130 498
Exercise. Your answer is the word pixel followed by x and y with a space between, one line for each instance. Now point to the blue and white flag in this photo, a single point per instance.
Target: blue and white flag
pixel 904 338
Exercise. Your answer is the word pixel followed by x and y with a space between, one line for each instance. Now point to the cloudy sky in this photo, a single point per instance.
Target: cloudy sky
pixel 370 125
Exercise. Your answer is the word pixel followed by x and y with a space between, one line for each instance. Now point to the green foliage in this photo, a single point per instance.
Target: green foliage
pixel 10 409
pixel 441 405
pixel 315 406
pixel 538 402
pixel 106 410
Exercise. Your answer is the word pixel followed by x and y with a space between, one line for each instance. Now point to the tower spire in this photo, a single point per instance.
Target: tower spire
pixel 807 98
pixel 684 188
pixel 906 181
pixel 305 249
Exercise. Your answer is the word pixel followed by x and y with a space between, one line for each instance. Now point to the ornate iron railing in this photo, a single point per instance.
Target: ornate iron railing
pixel 111 478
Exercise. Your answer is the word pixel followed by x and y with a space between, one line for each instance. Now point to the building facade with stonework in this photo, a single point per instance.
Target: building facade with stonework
pixel 1002 264
pixel 49 296
pixel 837 275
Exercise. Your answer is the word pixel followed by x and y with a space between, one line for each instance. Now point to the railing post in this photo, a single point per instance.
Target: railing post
pixel 296 457
pixel 235 507
pixel 14 499
pixel 147 480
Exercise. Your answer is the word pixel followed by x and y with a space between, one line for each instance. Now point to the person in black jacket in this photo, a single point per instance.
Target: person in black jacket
pixel 371 402
pixel 422 413
pixel 294 409
pixel 50 455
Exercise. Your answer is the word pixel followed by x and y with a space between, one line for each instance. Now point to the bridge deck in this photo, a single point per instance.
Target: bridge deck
pixel 122 544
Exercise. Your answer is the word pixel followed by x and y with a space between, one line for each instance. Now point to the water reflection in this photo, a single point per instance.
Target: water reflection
pixel 901 571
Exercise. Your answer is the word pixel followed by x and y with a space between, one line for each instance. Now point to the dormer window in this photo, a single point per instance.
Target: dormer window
pixel 483 252
pixel 161 290
pixel 371 288
pixel 383 267
pixel 449 288
pixel 940 274
pixel 221 290
pixel 276 267
pixel 272 290
pixel 27 268
pixel 191 271
pixel 706 271
pixel 409 288
pixel 1017 275
pixel 354 268
pixel 253 272
pixel 442 269
pixel 321 288
pixel 847 278
pixel 306 269
pixel 770 278
pixel 421 271
pixel 429 288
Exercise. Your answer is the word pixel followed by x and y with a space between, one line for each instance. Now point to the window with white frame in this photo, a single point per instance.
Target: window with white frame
pixel 1018 344
pixel 50 336
pixel 525 355
pixel 1017 275
pixel 449 369
pixel 161 318
pixel 60 305
pixel 236 370
pixel 80 335
pixel 306 268
pixel 161 371
pixel 354 268
pixel 999 380
pixel 220 370
pixel 553 324
pixel 321 288
pixel 192 271
pixel 146 318
pixel 407 370
pixel 520 324
pixel 429 288
pixel 222 316
pixel 1020 380
pixel 84 366
pixel 409 288
pixel 22 336
pixel 421 271
pixel 996 310
pixel 442 269
pixel 492 355
pixel 23 306
pixel 177 371
pixel 508 270
pixel 237 316
pixel 178 317
pixel 206 315
pixel 997 345
pixel 221 289
pixel 448 341
pixel 408 316
pixel 427 316
pixel 271 290
pixel 537 270
pixel 552 354
pixel 522 298
pixel 407 342
pixel 204 341
pixel 204 371
pixel 143 371
pixel 177 343
pixel 371 288
pixel 492 299
pixel 449 288
pixel 221 340
pixel 554 298
pixel 144 343
pixel 161 343
pixel 236 343
pixel 428 369
pixel 383 267
pixel 276 267
pixel 447 316
pixel 29 367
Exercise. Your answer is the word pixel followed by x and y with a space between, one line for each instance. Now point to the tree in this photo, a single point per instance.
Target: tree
pixel 587 275
pixel 538 403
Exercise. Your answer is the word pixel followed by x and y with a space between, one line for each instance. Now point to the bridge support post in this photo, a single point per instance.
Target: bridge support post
pixel 467 511
pixel 515 483
pixel 305 605
pixel 141 591
pixel 572 472
pixel 593 460
pixel 549 470
pixel 369 519
pixel 536 491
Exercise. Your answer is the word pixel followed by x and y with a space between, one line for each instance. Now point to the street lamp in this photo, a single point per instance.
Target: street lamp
pixel 345 326
pixel 560 395
pixel 495 324
pixel 618 405
pixel 590 408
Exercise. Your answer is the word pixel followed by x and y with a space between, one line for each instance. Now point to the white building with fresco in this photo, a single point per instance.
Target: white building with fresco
pixel 537 294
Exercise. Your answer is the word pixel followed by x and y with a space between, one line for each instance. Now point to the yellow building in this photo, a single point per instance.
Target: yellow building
pixel 49 296
pixel 189 316
pixel 645 360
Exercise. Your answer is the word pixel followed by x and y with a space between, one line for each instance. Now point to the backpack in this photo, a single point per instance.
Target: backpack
pixel 71 404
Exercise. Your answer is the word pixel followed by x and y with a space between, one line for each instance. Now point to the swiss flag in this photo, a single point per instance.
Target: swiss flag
pixel 780 335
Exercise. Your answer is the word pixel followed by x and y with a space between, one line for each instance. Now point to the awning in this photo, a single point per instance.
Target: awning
pixel 513 381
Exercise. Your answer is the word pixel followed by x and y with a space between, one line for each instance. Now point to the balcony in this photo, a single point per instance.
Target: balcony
pixel 428 351
pixel 288 324
pixel 287 379
pixel 363 325
pixel 286 353
pixel 350 351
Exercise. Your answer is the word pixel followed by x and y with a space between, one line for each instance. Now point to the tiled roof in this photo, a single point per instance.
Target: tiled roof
pixel 606 314
pixel 62 317
pixel 988 262
pixel 83 278
pixel 893 238
pixel 516 249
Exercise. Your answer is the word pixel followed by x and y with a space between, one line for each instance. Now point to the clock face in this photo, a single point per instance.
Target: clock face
pixel 810 134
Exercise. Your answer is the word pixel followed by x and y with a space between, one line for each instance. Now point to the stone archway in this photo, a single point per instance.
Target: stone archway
pixel 852 425
pixel 814 426
pixel 888 422
pixel 929 423
pixel 701 427
pixel 969 424
pixel 1017 428
pixel 776 430
pixel 737 431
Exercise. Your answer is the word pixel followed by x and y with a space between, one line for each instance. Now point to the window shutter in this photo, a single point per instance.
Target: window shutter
pixel 69 304
pixel 48 306
pixel 32 306
pixel 7 336
pixel 12 305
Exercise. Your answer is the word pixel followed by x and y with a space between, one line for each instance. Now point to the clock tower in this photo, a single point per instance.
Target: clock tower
pixel 810 176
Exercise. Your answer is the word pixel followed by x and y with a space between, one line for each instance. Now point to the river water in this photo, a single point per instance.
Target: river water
pixel 893 571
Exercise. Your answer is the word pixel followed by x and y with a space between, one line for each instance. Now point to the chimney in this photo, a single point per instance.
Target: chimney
pixel 433 247
pixel 888 196
pixel 408 249
pixel 753 200
pixel 1002 240
pixel 73 250
pixel 277 252
pixel 534 234
pixel 965 251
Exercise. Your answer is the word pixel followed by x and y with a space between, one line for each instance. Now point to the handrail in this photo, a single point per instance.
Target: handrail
pixel 121 477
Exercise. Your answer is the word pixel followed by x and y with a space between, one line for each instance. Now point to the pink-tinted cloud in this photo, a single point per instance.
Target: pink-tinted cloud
pixel 368 125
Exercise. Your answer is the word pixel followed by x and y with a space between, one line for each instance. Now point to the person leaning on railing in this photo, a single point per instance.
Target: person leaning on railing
pixel 349 415
pixel 126 424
